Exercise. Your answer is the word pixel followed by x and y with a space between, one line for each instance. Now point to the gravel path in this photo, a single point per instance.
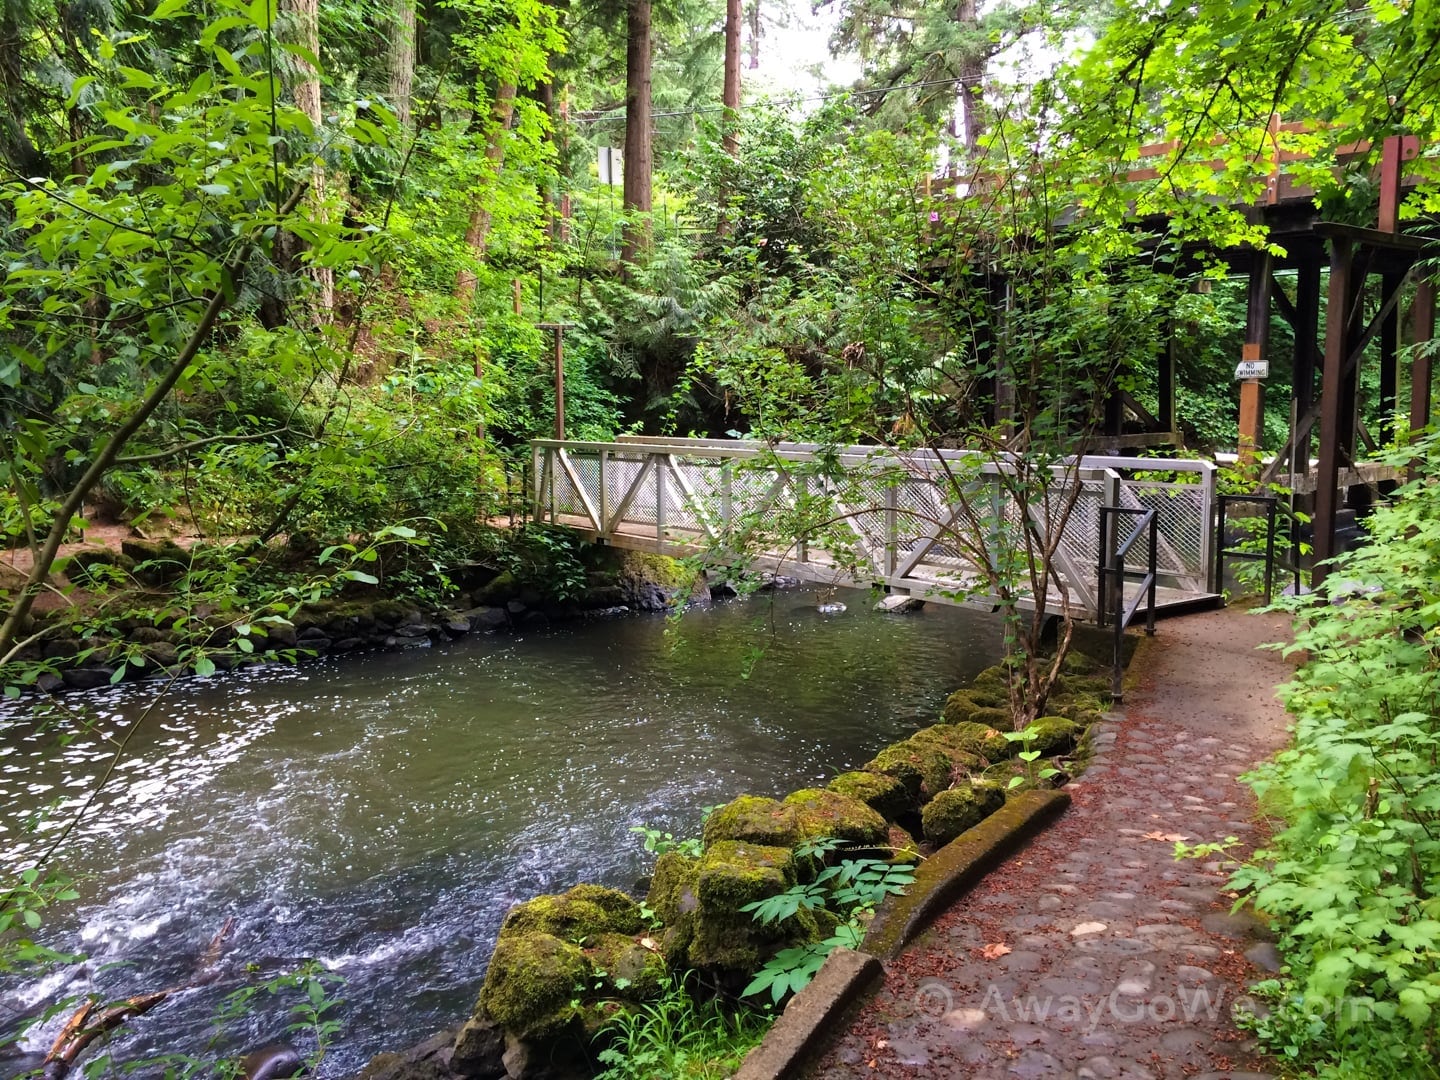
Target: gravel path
pixel 1093 952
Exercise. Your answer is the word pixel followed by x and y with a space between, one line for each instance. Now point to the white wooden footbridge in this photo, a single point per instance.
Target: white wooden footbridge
pixel 893 516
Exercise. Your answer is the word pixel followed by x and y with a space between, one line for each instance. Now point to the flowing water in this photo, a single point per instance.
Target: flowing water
pixel 380 813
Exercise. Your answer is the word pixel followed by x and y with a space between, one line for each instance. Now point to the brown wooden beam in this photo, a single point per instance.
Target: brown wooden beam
pixel 1257 337
pixel 1390 357
pixel 1422 317
pixel 1327 478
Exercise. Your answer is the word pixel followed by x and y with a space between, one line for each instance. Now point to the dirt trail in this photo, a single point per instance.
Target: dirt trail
pixel 1094 953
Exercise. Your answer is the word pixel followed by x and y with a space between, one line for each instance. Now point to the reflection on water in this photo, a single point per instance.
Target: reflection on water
pixel 381 813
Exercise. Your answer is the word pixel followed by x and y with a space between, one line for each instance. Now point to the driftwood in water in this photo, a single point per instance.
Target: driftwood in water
pixel 89 1022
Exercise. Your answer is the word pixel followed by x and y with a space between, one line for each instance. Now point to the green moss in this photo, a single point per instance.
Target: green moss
pixel 530 983
pixel 923 770
pixel 993 680
pixel 1054 735
pixel 734 873
pixel 968 746
pixel 962 705
pixel 828 813
pixel 882 793
pixel 498 590
pixel 668 573
pixel 1077 663
pixel 632 972
pixel 951 812
pixel 999 719
pixel 754 820
pixel 903 846
pixel 672 887
pixel 581 913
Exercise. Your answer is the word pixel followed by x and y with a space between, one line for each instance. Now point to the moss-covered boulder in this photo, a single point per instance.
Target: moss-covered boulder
pixel 903 847
pixel 1077 663
pixel 982 740
pixel 993 680
pixel 882 793
pixel 724 941
pixel 584 912
pixel 156 562
pixel 961 706
pixel 1054 735
pixel 999 719
pixel 531 983
pixel 672 887
pixel 753 820
pixel 630 970
pixel 968 746
pixel 82 568
pixel 828 813
pixel 952 812
pixel 923 770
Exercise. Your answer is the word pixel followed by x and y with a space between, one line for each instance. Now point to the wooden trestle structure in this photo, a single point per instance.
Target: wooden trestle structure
pixel 1328 360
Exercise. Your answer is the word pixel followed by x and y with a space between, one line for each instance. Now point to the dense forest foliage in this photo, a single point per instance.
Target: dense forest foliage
pixel 276 271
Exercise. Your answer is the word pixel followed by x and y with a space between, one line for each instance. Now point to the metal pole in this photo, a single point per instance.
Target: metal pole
pixel 1150 599
pixel 559 382
pixel 1269 548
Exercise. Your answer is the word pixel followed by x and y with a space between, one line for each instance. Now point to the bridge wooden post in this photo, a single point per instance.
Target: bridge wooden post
pixel 1307 355
pixel 892 529
pixel 1332 399
pixel 1422 317
pixel 1257 336
pixel 604 505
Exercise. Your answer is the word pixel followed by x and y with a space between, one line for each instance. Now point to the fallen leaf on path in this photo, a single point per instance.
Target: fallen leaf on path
pixel 995 951
pixel 1167 837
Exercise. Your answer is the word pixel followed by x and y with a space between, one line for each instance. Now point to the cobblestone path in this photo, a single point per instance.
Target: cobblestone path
pixel 1093 953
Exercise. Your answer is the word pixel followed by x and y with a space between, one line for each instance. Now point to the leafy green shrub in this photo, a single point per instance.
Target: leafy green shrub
pixel 678 1036
pixel 1351 879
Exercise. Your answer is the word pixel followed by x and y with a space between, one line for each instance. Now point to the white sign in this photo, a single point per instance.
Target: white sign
pixel 1252 369
pixel 611 165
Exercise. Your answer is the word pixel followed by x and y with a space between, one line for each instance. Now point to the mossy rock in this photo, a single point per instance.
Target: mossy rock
pixel 951 812
pixel 672 887
pixel 829 813
pixel 970 747
pixel 734 873
pixel 986 740
pixel 903 847
pixel 156 562
pixel 661 570
pixel 78 567
pixel 993 680
pixel 1077 663
pixel 962 705
pixel 500 589
pixel 882 793
pixel 923 770
pixel 754 820
pixel 530 984
pixel 1054 735
pixel 631 971
pixel 1002 773
pixel 999 719
pixel 583 912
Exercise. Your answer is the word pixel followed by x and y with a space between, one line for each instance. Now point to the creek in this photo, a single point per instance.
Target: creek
pixel 380 813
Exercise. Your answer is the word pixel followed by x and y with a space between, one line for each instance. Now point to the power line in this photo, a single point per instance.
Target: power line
pixel 619 114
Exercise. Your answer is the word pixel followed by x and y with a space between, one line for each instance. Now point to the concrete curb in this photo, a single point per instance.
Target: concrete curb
pixel 846 976
pixel 811 1015
pixel 953 870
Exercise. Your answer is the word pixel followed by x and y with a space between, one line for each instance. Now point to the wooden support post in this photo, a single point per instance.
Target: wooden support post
pixel 1257 336
pixel 1422 316
pixel 1332 394
pixel 558 330
pixel 516 294
pixel 1391 155
pixel 1389 358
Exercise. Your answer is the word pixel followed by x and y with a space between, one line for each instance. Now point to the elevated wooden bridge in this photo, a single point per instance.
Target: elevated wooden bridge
pixel 895 518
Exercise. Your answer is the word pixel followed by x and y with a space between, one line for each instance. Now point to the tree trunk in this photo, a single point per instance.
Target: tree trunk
pixel 306 91
pixel 638 163
pixel 402 61
pixel 972 75
pixel 477 234
pixel 753 14
pixel 731 97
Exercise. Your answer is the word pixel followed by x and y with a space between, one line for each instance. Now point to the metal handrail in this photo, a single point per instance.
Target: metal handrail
pixel 1112 574
pixel 1221 551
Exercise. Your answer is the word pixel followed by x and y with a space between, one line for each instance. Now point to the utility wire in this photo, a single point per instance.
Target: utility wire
pixel 619 114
